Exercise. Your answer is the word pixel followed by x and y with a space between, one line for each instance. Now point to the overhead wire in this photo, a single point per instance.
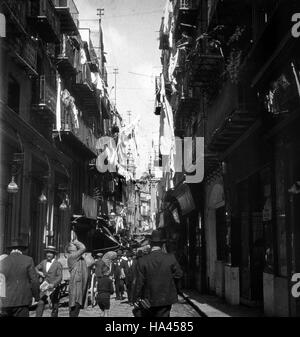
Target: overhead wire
pixel 124 15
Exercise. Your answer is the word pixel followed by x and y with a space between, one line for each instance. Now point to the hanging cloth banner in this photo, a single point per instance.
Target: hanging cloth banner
pixel 83 59
pixel 167 136
pixel 58 103
pixel 98 82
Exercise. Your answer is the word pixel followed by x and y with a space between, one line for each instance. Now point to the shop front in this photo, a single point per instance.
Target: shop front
pixel 184 231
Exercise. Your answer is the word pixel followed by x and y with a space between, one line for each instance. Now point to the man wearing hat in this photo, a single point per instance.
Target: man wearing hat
pixel 128 267
pixel 157 277
pixel 119 275
pixel 21 281
pixel 50 271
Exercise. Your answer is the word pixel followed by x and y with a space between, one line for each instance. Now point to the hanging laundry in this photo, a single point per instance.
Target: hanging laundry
pixel 69 103
pixel 119 224
pixel 83 58
pixel 167 16
pixel 172 67
pixel 58 103
pixel 123 172
pixel 97 81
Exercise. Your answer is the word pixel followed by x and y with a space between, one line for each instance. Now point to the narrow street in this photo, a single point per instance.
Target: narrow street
pixel 153 148
pixel 123 309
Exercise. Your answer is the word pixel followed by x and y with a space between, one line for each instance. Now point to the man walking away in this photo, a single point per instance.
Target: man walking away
pixel 157 277
pixel 78 277
pixel 50 270
pixel 21 279
pixel 105 289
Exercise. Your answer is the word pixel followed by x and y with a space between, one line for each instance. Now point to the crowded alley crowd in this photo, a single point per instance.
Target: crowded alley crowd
pixel 150 278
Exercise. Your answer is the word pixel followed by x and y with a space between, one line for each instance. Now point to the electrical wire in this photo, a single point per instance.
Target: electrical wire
pixel 124 15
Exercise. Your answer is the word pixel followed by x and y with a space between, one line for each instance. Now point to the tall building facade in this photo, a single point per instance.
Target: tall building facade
pixel 54 108
pixel 232 76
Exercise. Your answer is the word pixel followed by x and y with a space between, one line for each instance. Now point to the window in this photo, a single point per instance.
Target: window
pixel 13 99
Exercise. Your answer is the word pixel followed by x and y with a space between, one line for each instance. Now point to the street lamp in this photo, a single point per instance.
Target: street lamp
pixel 43 198
pixel 63 206
pixel 12 186
pixel 17 164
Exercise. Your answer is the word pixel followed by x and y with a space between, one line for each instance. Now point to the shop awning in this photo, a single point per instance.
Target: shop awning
pixel 94 233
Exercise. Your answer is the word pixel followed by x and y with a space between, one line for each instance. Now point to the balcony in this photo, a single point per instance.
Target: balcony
pixel 24 53
pixel 15 12
pixel 80 138
pixel 181 61
pixel 43 17
pixel 66 59
pixel 186 5
pixel 206 62
pixel 233 111
pixel 84 90
pixel 185 14
pixel 46 96
pixel 269 52
pixel 84 79
pixel 69 16
pixel 228 13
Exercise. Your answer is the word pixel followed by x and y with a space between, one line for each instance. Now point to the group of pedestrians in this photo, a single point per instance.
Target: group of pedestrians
pixel 25 282
pixel 151 280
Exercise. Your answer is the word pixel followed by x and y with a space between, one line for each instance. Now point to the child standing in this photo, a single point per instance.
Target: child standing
pixel 105 289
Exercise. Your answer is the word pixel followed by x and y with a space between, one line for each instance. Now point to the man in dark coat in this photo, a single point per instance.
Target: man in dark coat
pixel 21 279
pixel 119 276
pixel 157 277
pixel 50 270
pixel 128 266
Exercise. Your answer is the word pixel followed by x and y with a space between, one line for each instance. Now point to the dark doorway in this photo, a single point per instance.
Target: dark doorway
pixel 221 231
pixel 251 205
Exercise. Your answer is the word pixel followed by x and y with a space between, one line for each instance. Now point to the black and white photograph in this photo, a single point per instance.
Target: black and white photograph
pixel 150 161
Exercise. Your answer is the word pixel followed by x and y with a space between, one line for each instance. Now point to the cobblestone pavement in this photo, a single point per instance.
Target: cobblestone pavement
pixel 123 309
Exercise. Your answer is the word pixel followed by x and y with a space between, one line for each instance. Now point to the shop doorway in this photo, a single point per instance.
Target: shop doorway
pixel 252 238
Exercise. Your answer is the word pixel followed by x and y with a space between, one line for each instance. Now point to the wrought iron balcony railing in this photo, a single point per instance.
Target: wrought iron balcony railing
pixel 45 20
pixel 66 57
pixel 78 130
pixel 232 112
pixel 24 52
pixel 185 5
pixel 84 78
pixel 16 10
pixel 46 95
pixel 69 15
